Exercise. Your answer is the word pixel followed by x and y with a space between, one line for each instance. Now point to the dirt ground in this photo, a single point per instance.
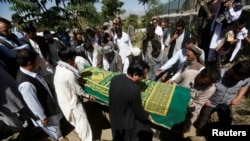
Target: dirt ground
pixel 67 130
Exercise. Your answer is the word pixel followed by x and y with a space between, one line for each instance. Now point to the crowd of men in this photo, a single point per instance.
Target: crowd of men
pixel 41 73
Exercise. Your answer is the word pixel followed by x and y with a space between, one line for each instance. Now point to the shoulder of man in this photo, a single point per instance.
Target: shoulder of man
pixel 6 44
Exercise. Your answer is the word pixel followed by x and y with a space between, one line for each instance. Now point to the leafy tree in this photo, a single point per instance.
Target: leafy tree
pixel 189 4
pixel 131 17
pixel 112 8
pixel 144 3
pixel 155 8
pixel 151 7
pixel 85 15
pixel 65 12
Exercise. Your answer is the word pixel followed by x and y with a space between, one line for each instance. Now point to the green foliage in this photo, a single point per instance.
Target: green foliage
pixel 82 2
pixel 139 37
pixel 132 17
pixel 70 13
pixel 154 7
pixel 193 29
pixel 84 14
pixel 112 8
pixel 143 2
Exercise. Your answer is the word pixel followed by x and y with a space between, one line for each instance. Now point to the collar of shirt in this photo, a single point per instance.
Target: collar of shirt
pixel 32 74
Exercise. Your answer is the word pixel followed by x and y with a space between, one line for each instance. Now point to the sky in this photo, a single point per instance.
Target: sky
pixel 131 6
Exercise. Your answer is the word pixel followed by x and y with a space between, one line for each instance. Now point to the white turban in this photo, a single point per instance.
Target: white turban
pixel 136 51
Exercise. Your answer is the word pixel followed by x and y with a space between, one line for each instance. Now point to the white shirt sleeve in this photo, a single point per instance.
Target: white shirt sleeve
pixel 125 67
pixel 234 15
pixel 176 76
pixel 74 85
pixel 171 61
pixel 29 94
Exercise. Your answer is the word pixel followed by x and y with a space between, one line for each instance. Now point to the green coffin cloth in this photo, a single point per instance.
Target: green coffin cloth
pixel 167 104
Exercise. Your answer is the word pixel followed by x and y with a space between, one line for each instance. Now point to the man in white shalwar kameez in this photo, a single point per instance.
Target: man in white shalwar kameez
pixel 122 40
pixel 68 91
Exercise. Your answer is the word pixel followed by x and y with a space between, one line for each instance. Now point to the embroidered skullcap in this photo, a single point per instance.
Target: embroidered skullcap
pixel 135 51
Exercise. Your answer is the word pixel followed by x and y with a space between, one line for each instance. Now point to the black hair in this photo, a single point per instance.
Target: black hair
pixel 214 71
pixel 5 21
pixel 137 67
pixel 150 27
pixel 163 21
pixel 207 76
pixel 66 53
pixel 90 31
pixel 242 68
pixel 26 55
pixel 118 29
pixel 203 80
pixel 30 28
pixel 156 44
pixel 181 23
pixel 191 40
pixel 46 32
pixel 103 38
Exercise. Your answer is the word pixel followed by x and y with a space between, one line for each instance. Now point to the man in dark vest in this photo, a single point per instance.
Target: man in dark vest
pixel 178 37
pixel 38 95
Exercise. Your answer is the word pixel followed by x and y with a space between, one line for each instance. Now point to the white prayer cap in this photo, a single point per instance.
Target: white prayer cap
pixel 136 51
pixel 106 24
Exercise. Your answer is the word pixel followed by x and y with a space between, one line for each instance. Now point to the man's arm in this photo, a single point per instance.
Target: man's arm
pixel 29 94
pixel 233 15
pixel 73 82
pixel 7 52
pixel 241 93
pixel 119 63
pixel 170 62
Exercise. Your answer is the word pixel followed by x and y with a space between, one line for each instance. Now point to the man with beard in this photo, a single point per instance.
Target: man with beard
pixel 190 68
pixel 175 63
pixel 147 41
pixel 122 40
pixel 157 58
pixel 176 40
